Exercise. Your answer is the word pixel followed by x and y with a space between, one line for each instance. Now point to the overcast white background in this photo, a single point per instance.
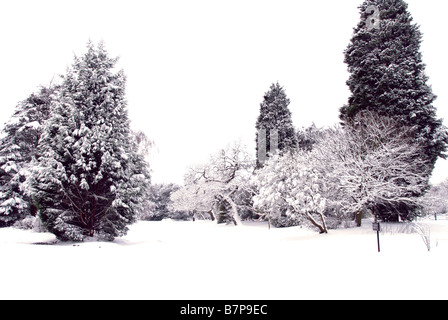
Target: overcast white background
pixel 197 70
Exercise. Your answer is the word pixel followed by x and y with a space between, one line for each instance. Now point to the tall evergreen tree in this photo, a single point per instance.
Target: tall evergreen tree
pixel 387 74
pixel 89 178
pixel 275 116
pixel 18 145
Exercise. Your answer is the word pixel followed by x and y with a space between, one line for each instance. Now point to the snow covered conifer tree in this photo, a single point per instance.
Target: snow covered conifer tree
pixel 89 178
pixel 18 145
pixel 387 74
pixel 275 115
pixel 308 137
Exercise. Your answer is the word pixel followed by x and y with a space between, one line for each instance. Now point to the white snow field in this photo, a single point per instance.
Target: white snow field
pixel 202 260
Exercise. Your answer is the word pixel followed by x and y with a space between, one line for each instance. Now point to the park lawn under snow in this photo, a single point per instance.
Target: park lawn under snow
pixel 202 260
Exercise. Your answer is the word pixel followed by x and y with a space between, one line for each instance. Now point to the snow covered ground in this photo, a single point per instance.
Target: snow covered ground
pixel 202 260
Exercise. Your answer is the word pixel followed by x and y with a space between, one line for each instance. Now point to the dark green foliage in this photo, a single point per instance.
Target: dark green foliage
pixel 18 145
pixel 223 214
pixel 160 204
pixel 89 178
pixel 275 115
pixel 308 137
pixel 243 198
pixel 387 75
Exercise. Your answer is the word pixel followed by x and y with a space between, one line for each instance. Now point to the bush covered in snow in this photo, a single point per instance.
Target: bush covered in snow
pixel 369 164
pixel 291 186
pixel 160 205
pixel 436 200
pixel 30 223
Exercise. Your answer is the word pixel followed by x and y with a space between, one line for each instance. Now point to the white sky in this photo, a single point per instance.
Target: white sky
pixel 197 70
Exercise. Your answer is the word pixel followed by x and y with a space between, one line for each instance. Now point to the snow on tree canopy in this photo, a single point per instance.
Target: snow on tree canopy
pixel 387 76
pixel 89 178
pixel 275 115
pixel 18 143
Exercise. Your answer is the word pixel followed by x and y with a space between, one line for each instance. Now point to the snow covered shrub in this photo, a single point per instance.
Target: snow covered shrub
pixel 26 223
pixel 243 198
pixel 181 215
pixel 30 223
pixel 292 185
pixel 88 177
pixel 436 200
pixel 308 137
pixel 160 203
pixel 282 220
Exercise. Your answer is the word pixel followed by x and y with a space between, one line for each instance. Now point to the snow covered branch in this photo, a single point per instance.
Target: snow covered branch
pixel 213 187
pixel 371 163
pixel 374 162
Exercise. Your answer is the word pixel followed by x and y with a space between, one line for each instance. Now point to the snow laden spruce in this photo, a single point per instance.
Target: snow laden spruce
pixel 274 116
pixel 88 178
pixel 18 145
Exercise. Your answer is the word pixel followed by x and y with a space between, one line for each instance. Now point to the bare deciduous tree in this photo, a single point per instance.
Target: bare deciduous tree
pixel 369 163
pixel 374 161
pixel 215 184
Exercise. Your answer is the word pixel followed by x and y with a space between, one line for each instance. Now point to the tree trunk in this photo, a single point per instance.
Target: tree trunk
pixel 324 224
pixel 236 217
pixel 358 218
pixel 322 228
pixel 210 212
